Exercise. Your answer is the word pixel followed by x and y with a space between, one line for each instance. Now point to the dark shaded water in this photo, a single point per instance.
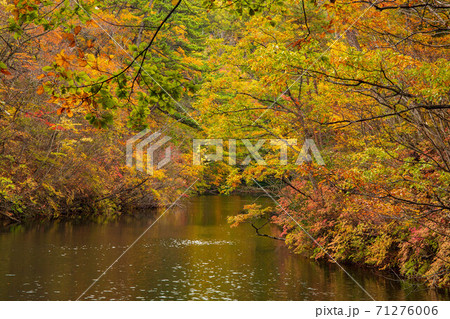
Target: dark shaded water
pixel 191 253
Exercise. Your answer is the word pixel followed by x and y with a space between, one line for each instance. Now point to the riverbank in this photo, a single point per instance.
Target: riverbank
pixel 408 250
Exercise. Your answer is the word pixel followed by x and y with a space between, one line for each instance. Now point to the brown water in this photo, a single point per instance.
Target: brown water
pixel 191 253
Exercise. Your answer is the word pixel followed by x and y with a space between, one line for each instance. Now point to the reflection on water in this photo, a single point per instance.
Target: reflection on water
pixel 191 253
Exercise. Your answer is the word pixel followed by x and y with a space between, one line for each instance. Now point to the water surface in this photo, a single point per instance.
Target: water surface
pixel 191 253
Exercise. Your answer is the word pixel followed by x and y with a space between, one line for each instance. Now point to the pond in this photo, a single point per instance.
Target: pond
pixel 190 253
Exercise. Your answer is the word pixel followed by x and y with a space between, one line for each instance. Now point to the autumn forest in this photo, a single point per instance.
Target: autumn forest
pixel 367 82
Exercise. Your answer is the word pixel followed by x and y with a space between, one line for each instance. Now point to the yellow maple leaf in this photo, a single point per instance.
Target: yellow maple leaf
pixel 62 59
